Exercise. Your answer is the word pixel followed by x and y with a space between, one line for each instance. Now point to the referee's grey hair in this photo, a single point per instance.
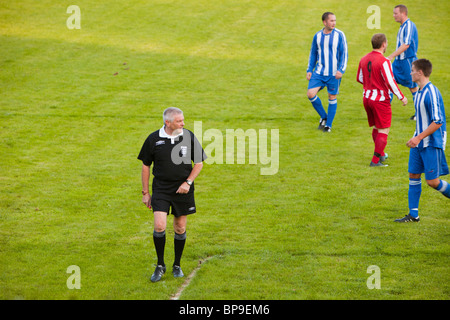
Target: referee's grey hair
pixel 169 112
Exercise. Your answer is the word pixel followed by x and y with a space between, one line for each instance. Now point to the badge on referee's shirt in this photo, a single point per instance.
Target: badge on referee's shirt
pixel 159 142
pixel 183 151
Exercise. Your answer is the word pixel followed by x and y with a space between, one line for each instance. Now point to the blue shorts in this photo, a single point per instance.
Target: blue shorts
pixel 430 161
pixel 402 72
pixel 330 82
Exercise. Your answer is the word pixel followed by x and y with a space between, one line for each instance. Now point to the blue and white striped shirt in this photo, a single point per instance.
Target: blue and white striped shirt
pixel 329 53
pixel 430 108
pixel 407 34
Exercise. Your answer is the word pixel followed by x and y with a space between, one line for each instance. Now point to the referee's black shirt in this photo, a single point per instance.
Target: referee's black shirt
pixel 172 159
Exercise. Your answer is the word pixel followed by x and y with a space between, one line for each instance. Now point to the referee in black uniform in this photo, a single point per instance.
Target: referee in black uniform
pixel 171 150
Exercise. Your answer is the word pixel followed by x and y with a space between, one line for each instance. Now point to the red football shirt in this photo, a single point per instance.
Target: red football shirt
pixel 375 74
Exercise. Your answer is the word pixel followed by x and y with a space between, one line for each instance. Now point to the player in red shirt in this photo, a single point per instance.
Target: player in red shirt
pixel 375 74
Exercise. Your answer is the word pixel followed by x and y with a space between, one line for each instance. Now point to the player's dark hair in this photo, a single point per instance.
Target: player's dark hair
pixel 326 14
pixel 424 65
pixel 378 39
pixel 403 8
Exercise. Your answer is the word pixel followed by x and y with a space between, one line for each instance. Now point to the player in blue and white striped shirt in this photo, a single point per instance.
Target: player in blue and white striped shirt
pixel 406 50
pixel 428 143
pixel 327 63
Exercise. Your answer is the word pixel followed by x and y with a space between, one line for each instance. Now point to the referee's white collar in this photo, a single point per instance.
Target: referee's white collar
pixel 163 134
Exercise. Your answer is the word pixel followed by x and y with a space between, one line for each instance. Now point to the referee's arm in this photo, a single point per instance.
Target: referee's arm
pixel 146 198
pixel 184 188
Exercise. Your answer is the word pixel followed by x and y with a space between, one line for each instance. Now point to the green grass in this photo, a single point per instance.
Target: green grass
pixel 71 131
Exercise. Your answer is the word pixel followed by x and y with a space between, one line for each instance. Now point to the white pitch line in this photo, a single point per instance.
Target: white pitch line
pixel 177 295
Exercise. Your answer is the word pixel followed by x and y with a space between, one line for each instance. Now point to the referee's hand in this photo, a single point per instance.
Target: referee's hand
pixel 147 200
pixel 184 188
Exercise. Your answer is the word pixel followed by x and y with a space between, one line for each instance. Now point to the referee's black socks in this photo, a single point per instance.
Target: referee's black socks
pixel 159 238
pixel 178 241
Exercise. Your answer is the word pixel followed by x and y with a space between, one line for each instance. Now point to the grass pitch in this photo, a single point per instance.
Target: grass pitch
pixel 76 106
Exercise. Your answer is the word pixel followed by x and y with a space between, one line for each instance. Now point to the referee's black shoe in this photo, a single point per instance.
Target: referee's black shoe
pixel 159 272
pixel 177 272
pixel 408 218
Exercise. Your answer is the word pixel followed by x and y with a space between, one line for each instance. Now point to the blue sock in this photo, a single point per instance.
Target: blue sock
pixel 414 192
pixel 317 104
pixel 332 107
pixel 444 188
pixel 391 95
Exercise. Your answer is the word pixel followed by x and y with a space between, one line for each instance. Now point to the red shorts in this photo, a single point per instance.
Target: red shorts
pixel 379 113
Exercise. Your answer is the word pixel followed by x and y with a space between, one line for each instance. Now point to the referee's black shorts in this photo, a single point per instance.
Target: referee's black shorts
pixel 181 204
